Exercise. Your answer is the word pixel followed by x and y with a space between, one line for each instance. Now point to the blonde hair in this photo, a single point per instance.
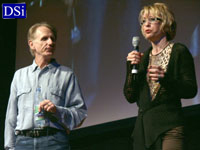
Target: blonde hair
pixel 32 31
pixel 160 10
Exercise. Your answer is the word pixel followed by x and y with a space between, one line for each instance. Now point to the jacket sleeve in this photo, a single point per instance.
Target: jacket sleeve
pixel 183 81
pixel 131 86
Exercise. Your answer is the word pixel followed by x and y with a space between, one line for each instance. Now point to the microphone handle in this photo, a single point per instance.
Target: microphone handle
pixel 136 48
pixel 135 66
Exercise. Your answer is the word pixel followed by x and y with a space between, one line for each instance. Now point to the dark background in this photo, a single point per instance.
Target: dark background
pixel 99 58
pixel 8 30
pixel 111 133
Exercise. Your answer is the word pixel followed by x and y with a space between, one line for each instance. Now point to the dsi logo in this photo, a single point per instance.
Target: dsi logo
pixel 14 10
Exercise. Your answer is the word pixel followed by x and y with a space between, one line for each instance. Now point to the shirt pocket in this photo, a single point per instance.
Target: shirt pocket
pixel 24 97
pixel 23 91
pixel 57 96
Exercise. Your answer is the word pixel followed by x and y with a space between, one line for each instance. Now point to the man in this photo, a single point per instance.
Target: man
pixel 61 107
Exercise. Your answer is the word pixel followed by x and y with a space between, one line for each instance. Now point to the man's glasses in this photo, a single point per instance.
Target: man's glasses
pixel 150 20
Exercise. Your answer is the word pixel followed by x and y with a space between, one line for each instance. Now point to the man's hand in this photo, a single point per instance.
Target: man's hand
pixel 47 106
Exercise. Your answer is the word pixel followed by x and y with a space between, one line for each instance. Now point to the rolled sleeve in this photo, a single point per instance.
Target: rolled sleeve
pixel 11 119
pixel 75 110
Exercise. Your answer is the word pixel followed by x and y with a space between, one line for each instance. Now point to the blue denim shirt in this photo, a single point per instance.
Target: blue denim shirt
pixel 58 84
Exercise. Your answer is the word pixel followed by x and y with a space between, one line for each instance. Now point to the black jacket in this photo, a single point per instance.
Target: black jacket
pixel 165 111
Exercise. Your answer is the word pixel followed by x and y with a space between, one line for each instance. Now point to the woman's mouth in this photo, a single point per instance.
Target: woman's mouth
pixel 147 31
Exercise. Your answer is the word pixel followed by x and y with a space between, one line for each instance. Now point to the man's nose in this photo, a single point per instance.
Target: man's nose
pixel 50 41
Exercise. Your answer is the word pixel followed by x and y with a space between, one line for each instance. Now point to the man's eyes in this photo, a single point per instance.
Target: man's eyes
pixel 46 38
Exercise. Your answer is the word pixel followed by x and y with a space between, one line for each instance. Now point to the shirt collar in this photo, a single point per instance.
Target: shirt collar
pixel 52 65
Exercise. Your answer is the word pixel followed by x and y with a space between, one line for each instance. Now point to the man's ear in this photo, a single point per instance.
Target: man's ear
pixel 31 45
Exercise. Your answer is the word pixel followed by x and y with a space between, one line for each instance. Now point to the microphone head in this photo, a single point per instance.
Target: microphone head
pixel 136 41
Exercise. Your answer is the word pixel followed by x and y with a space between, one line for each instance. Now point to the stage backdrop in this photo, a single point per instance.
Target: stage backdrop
pixel 94 39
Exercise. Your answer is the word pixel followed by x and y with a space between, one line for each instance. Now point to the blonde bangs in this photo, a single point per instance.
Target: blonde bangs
pixel 149 10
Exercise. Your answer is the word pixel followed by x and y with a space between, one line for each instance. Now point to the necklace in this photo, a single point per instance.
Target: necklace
pixel 156 53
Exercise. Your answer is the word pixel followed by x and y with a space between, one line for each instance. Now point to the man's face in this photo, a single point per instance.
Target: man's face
pixel 43 43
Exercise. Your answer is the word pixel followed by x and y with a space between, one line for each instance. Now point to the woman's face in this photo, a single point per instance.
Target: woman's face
pixel 151 27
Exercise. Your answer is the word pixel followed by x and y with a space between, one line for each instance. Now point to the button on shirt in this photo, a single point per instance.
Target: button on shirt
pixel 58 84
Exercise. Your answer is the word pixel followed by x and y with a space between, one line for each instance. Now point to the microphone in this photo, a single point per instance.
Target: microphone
pixel 135 43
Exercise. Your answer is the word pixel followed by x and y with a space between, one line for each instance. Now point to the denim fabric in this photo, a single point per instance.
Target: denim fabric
pixel 58 141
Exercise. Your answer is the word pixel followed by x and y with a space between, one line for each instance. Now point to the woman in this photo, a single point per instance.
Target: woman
pixel 166 74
